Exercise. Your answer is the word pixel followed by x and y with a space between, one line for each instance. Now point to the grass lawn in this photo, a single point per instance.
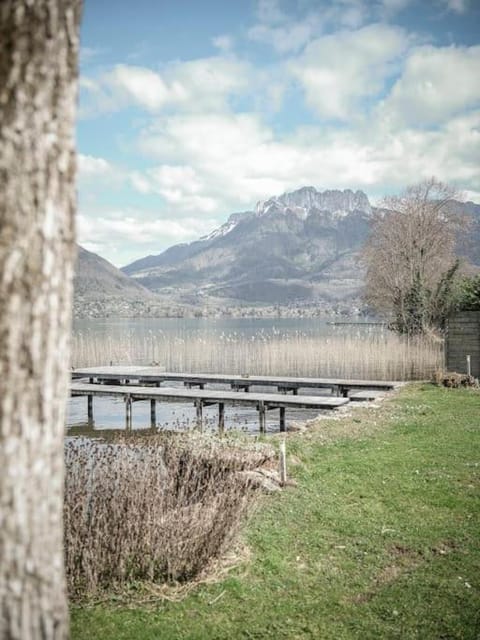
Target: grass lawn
pixel 379 539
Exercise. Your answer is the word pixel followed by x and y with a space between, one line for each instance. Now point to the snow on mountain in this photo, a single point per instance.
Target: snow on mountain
pixel 228 226
pixel 307 199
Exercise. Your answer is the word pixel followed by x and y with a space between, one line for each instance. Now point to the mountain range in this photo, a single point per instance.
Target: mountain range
pixel 298 248
pixel 101 289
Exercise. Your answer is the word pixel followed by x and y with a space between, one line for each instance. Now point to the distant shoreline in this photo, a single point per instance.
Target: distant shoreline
pixel 121 308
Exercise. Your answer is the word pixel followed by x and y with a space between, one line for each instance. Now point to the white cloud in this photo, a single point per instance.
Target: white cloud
pixel 207 161
pixel 391 7
pixel 437 83
pixel 269 11
pixel 119 237
pixel 349 13
pixel 473 196
pixel 228 153
pixel 291 36
pixel 87 54
pixel 457 6
pixel 338 70
pixel 224 43
pixel 142 86
pixel 234 160
pixel 280 30
pixel 89 166
pixel 290 33
pixel 211 165
pixel 178 185
pixel 196 85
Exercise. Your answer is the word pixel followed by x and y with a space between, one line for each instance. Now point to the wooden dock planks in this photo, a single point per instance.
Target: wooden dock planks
pixel 155 375
pixel 271 400
pixel 204 397
pixel 143 383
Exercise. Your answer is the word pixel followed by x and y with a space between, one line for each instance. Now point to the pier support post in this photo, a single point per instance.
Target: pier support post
pixel 128 412
pixel 153 413
pixel 282 419
pixel 221 417
pixel 262 416
pixel 199 408
pixel 90 408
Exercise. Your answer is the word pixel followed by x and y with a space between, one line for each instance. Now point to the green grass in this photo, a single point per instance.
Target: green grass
pixel 379 539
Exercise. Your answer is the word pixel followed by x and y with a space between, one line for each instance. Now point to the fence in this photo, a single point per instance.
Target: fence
pixel 462 340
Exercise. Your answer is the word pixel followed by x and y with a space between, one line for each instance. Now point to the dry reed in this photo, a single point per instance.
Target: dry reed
pixel 156 508
pixel 371 355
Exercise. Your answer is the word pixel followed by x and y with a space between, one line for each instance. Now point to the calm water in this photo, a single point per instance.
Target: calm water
pixel 184 327
pixel 110 413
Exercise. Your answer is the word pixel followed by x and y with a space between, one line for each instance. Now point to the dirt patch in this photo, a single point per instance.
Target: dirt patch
pixel 353 422
pixel 444 547
pixel 403 558
pixel 401 551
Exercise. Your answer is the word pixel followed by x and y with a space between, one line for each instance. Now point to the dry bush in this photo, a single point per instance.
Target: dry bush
pixel 157 509
pixel 454 380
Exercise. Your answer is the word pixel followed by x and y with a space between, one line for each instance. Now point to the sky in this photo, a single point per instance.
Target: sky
pixel 190 110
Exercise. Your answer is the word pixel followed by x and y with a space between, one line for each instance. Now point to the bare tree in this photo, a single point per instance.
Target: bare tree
pixel 38 79
pixel 410 256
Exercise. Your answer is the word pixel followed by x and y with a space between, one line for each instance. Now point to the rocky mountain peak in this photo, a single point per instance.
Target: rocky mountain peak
pixel 304 200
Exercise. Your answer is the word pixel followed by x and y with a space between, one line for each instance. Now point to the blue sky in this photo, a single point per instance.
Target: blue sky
pixel 192 110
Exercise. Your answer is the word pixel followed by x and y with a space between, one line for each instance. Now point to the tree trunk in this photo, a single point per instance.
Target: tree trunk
pixel 38 79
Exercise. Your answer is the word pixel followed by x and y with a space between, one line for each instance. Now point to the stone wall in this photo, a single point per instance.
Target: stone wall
pixel 463 338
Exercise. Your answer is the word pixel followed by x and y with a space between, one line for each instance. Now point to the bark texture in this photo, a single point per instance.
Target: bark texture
pixel 38 79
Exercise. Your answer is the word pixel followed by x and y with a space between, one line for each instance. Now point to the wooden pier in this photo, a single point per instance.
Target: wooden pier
pixel 284 384
pixel 134 383
pixel 263 402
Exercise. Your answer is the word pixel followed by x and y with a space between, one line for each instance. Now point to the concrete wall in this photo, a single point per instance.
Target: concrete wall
pixel 462 339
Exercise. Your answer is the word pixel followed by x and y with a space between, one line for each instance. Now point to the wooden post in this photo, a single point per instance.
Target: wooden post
pixel 282 419
pixel 90 408
pixel 469 366
pixel 153 413
pixel 261 416
pixel 128 412
pixel 221 417
pixel 283 462
pixel 199 408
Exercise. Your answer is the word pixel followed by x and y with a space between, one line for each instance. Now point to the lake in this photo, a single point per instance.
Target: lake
pixel 269 346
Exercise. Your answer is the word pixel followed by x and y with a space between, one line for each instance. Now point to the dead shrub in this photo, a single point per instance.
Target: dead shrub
pixel 155 509
pixel 454 380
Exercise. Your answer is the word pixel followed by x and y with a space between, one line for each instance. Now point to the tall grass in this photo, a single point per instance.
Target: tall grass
pixel 156 508
pixel 370 355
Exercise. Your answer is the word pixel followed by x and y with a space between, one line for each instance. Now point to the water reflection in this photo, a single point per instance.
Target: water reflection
pixel 109 415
